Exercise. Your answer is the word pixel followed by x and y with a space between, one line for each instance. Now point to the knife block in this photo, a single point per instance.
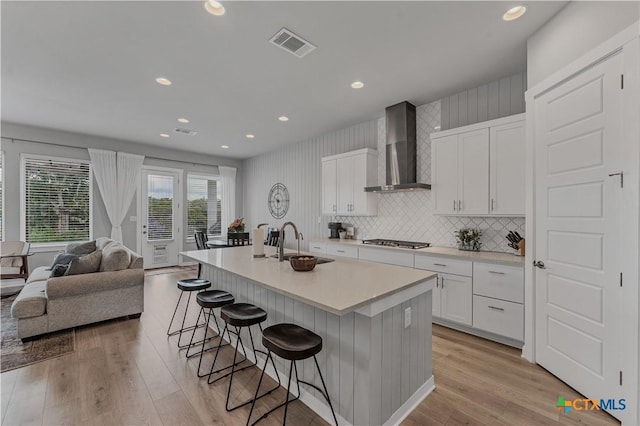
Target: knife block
pixel 520 251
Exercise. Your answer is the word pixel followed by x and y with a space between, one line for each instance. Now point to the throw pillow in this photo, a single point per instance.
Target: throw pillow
pixel 86 247
pixel 85 264
pixel 63 259
pixel 58 270
pixel 115 257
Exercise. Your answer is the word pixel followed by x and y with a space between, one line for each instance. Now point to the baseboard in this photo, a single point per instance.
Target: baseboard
pixel 480 333
pixel 411 403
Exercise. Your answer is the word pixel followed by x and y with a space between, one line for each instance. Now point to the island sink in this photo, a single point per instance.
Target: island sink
pixel 320 261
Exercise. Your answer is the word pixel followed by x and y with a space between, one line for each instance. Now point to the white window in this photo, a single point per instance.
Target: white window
pixel 56 200
pixel 203 205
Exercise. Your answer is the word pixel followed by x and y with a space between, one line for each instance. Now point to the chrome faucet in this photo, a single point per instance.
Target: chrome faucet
pixel 281 239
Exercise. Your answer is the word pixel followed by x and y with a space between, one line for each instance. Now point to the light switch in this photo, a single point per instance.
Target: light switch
pixel 407 317
pixel 133 218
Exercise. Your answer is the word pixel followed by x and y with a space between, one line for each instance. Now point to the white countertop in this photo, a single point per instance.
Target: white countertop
pixel 338 287
pixel 476 256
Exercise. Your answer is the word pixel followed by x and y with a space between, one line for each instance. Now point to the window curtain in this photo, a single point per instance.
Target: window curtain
pixel 228 180
pixel 117 175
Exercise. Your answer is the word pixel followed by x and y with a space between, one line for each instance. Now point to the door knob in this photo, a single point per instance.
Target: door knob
pixel 538 264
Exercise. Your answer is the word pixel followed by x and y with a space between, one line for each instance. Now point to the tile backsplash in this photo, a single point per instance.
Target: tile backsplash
pixel 409 215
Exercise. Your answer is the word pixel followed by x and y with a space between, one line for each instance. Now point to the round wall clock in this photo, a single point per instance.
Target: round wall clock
pixel 278 200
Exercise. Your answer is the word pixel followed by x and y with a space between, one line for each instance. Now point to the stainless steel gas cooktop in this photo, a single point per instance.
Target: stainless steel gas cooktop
pixel 397 243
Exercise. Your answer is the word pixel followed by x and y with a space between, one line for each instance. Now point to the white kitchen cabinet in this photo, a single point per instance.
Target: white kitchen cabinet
pixel 391 257
pixel 460 166
pixel 478 170
pixel 329 187
pixel 316 247
pixel 342 250
pixel 506 170
pixel 453 296
pixel 456 298
pixel 344 178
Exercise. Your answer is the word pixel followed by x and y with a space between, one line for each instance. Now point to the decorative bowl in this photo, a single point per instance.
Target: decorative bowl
pixel 303 263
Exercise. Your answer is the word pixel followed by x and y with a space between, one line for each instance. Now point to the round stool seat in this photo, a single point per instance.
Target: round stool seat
pixel 243 314
pixel 292 342
pixel 214 298
pixel 193 284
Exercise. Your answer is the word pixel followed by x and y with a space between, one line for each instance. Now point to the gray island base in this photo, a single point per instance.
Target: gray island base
pixel 374 319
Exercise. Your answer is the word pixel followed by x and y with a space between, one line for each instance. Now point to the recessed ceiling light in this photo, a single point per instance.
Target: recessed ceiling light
pixel 164 81
pixel 357 85
pixel 164 135
pixel 183 120
pixel 224 146
pixel 283 118
pixel 249 136
pixel 514 13
pixel 214 7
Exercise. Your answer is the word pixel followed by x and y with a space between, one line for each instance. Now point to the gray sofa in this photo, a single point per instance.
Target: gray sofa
pixel 50 304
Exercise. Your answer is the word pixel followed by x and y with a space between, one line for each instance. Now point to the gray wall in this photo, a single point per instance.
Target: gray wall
pixel 16 140
pixel 573 31
pixel 499 98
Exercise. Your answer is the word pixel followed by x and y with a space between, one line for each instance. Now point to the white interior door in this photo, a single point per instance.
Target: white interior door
pixel 578 231
pixel 160 217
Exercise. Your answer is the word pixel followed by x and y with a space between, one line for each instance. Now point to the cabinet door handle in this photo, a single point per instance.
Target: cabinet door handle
pixel 495 308
pixel 436 282
pixel 340 251
pixel 492 204
pixel 459 205
pixel 440 264
pixel 496 272
pixel 454 205
pixel 441 282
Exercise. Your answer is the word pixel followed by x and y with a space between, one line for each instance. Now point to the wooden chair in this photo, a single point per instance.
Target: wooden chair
pixel 201 240
pixel 14 257
pixel 272 238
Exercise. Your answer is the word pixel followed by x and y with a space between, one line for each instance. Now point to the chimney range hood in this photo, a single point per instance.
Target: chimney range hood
pixel 400 150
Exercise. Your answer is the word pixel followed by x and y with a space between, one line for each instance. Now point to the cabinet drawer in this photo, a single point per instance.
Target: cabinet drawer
pixel 444 264
pixel 499 317
pixel 342 250
pixel 318 248
pixel 498 281
pixel 386 256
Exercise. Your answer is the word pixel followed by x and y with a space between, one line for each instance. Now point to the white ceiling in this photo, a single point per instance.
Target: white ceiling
pixel 89 67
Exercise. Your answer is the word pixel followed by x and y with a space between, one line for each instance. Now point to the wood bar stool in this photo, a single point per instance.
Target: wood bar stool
pixel 293 343
pixel 239 315
pixel 208 299
pixel 187 286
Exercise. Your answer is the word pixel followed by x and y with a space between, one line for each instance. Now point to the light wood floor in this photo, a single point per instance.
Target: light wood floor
pixel 128 372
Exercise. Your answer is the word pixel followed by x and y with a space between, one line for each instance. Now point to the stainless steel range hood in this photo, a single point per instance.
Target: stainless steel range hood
pixel 401 150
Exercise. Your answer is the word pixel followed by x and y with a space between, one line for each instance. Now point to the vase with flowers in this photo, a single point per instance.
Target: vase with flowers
pixel 237 225
pixel 468 239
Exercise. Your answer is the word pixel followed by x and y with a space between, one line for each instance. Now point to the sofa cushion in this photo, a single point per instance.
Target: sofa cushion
pixel 115 257
pixel 102 242
pixel 41 273
pixel 137 262
pixel 31 302
pixel 58 271
pixel 85 264
pixel 82 248
pixel 63 259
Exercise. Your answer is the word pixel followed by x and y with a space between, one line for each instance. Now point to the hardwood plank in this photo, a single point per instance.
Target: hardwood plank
pixel 27 403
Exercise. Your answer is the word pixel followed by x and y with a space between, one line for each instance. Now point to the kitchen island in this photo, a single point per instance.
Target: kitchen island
pixel 374 319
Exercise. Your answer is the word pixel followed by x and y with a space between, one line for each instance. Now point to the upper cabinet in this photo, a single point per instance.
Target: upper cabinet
pixel 478 170
pixel 344 178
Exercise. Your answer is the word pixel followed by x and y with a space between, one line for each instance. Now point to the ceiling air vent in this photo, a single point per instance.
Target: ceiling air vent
pixel 292 43
pixel 184 131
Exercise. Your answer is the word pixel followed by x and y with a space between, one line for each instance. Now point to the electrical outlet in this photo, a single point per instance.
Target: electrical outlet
pixel 407 317
pixel 133 219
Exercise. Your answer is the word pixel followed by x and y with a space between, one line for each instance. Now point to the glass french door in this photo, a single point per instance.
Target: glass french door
pixel 160 218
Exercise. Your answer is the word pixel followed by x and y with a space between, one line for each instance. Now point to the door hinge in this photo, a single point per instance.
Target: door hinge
pixel 620 378
pixel 620 279
pixel 622 81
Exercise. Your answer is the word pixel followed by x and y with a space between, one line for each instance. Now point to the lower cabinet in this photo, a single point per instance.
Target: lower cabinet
pixel 456 298
pixel 499 317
